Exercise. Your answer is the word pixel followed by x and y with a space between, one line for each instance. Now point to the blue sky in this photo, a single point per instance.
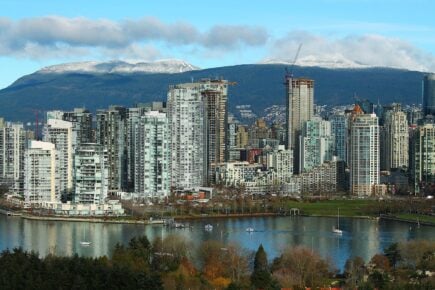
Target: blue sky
pixel 34 34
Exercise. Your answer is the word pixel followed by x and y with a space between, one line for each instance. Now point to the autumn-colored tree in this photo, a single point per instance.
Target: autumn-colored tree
pixel 300 267
pixel 381 263
pixel 168 253
pixel 211 258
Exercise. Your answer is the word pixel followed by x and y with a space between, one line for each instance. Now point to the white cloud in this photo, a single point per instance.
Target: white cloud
pixel 56 34
pixel 369 50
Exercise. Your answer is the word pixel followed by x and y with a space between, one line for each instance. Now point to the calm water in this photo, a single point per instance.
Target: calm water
pixel 360 237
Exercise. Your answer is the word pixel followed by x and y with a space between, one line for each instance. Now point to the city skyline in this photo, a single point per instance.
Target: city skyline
pixel 43 33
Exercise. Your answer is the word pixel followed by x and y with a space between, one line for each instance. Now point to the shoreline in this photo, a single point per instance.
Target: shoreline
pixel 121 220
pixel 160 222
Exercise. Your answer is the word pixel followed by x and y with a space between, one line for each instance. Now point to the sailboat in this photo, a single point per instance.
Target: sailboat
pixel 84 242
pixel 336 230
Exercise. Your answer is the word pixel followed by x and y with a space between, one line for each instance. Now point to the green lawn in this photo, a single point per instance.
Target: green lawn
pixel 416 217
pixel 329 207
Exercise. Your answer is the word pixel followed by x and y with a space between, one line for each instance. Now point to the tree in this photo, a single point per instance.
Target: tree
pixel 261 277
pixel 354 271
pixel 300 267
pixel 381 263
pixel 393 255
pixel 168 253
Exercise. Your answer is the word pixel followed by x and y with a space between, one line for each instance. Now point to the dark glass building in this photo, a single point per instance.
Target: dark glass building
pixel 429 94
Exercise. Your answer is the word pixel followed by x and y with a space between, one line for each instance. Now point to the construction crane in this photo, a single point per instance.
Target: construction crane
pixel 290 74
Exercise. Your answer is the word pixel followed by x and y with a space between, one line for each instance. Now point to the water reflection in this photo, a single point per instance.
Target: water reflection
pixel 360 237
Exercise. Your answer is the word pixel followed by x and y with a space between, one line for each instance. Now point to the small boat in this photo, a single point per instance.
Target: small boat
pixel 336 230
pixel 208 227
pixel 250 229
pixel 85 243
pixel 178 225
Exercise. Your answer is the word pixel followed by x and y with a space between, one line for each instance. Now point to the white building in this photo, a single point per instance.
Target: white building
pixel 186 121
pixel 364 154
pixel 90 174
pixel 197 118
pixel 397 138
pixel 152 155
pixel 12 144
pixel 60 133
pixel 281 162
pixel 40 173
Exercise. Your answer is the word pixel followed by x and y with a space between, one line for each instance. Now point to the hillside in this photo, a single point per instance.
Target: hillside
pixel 260 85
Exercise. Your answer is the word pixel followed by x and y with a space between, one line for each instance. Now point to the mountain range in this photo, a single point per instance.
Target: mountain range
pixel 97 85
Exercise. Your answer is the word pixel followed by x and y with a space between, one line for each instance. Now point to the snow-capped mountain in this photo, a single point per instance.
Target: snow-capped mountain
pixel 161 66
pixel 327 61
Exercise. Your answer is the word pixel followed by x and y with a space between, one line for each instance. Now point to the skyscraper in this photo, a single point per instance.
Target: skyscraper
pixel 90 174
pixel 215 98
pixel 186 122
pixel 316 144
pixel 12 144
pixel 198 119
pixel 364 154
pixel 423 167
pixel 429 94
pixel 59 133
pixel 300 108
pixel 82 125
pixel 111 132
pixel 134 116
pixel 397 138
pixel 152 156
pixel 40 173
pixel 340 128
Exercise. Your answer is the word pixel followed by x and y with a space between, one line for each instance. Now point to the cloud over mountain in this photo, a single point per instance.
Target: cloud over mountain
pixel 357 50
pixel 149 38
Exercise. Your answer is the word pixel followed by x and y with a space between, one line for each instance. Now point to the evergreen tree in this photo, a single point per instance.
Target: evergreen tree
pixel 261 277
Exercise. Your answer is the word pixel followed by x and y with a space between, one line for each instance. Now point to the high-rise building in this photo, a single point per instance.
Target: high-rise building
pixel 198 119
pixel 90 174
pixel 364 154
pixel 215 98
pixel 12 145
pixel 397 138
pixel 316 144
pixel 82 125
pixel 111 132
pixel 429 94
pixel 186 121
pixel 300 106
pixel 133 118
pixel 259 130
pixel 40 173
pixel 423 167
pixel 59 133
pixel 281 162
pixel 242 137
pixel 340 129
pixel 152 155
